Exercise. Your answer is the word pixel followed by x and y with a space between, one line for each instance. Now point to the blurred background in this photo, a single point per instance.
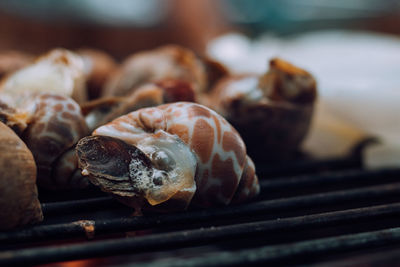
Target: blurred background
pixel 352 47
pixel 121 27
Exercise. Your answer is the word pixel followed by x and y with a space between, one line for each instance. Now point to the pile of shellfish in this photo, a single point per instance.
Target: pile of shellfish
pixel 163 130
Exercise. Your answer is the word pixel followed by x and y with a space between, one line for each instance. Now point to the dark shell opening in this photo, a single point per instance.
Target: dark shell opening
pixel 108 162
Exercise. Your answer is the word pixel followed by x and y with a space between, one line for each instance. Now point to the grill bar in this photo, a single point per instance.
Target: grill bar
pixel 199 236
pixel 309 166
pixel 328 179
pixel 319 181
pixel 289 251
pixel 185 218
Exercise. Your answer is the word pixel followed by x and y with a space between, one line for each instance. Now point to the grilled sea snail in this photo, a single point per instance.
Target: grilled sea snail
pixel 56 124
pixel 167 62
pixel 50 125
pixel 169 155
pixel 19 204
pixel 59 71
pixel 272 112
pixel 104 110
pixel 35 102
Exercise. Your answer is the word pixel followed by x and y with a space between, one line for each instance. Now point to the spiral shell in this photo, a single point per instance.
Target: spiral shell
pixel 167 62
pixel 19 204
pixel 272 113
pixel 171 152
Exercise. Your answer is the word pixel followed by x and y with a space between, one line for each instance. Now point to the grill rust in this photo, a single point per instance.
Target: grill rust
pixel 328 209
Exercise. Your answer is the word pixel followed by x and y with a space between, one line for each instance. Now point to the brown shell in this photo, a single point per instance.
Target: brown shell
pixel 274 122
pixel 167 62
pixel 99 66
pixel 19 204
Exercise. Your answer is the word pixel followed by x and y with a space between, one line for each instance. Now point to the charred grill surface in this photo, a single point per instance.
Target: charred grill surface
pixel 319 212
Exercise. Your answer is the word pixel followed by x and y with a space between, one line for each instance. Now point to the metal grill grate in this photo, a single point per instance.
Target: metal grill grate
pixel 328 212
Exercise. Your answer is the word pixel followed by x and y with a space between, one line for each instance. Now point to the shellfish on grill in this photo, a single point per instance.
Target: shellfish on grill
pixel 167 62
pixel 59 71
pixel 171 155
pixel 50 125
pixel 272 112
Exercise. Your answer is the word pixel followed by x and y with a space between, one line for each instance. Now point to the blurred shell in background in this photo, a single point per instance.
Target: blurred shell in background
pixel 359 83
pixel 58 71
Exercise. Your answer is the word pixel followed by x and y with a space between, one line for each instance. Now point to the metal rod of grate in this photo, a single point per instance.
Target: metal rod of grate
pixel 288 251
pixel 344 178
pixel 79 228
pixel 195 237
pixel 310 166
